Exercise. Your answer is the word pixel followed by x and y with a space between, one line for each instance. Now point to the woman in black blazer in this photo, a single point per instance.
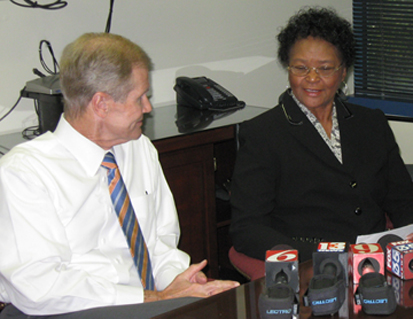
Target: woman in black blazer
pixel 316 168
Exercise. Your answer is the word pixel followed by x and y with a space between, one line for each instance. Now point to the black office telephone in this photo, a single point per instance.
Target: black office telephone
pixel 204 94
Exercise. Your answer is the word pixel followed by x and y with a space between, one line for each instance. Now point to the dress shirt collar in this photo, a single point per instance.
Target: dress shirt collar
pixel 88 154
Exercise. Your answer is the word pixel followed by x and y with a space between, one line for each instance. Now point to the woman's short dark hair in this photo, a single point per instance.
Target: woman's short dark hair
pixel 319 23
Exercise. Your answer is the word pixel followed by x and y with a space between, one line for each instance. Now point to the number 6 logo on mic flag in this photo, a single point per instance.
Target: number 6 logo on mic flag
pixel 281 255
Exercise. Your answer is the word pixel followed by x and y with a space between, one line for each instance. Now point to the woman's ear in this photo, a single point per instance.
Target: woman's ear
pixel 101 103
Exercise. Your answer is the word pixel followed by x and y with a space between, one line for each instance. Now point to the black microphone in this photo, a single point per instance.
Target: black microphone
pixel 327 289
pixel 375 294
pixel 330 268
pixel 279 298
pixel 368 265
pixel 278 301
pixel 326 292
pixel 280 289
pixel 281 278
pixel 387 239
pixel 329 275
pixel 282 264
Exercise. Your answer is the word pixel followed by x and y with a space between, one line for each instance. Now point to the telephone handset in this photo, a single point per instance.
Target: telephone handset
pixel 205 94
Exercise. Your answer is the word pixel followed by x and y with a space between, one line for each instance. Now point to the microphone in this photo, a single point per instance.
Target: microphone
pixel 281 278
pixel 367 265
pixel 365 258
pixel 329 274
pixel 282 264
pixel 330 269
pixel 387 239
pixel 279 298
pixel 373 292
pixel 331 250
pixel 399 258
pixel 327 289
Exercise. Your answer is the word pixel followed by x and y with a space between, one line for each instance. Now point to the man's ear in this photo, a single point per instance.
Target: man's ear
pixel 101 103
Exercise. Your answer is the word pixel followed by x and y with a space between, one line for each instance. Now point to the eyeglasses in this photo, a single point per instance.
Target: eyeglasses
pixel 323 71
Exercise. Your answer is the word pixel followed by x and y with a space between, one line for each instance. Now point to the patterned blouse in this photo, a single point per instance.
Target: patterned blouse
pixel 334 143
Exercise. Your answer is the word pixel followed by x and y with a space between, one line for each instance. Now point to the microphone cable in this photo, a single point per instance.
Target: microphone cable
pixel 58 4
pixel 43 63
pixel 109 20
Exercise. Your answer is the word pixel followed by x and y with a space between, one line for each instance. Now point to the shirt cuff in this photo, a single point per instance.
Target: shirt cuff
pixel 127 295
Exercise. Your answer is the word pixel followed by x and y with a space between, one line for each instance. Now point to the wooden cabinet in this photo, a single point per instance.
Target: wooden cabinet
pixel 192 169
pixel 195 163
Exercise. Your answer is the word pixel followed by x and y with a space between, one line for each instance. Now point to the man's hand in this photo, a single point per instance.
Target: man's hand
pixel 191 283
pixel 199 276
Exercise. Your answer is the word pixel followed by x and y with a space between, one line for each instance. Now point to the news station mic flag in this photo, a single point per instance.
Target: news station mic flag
pixel 280 296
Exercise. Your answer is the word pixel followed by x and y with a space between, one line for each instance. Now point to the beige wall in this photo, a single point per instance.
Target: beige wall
pixel 404 136
pixel 231 41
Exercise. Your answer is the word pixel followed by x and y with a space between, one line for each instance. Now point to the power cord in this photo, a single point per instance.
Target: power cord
pixel 33 4
pixel 14 106
pixel 31 132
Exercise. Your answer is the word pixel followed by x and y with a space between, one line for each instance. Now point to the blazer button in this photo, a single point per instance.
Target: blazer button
pixel 358 211
pixel 353 184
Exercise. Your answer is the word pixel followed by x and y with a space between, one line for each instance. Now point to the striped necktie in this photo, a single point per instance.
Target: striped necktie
pixel 128 222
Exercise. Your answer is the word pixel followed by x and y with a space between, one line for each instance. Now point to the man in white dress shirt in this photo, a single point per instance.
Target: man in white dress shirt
pixel 62 250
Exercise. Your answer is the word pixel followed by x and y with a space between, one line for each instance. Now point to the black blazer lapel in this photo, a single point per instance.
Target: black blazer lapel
pixel 349 134
pixel 302 130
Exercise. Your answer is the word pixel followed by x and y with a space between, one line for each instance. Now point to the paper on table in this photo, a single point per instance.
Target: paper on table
pixel 374 238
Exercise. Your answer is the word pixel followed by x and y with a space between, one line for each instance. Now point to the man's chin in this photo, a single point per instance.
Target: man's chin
pixel 137 135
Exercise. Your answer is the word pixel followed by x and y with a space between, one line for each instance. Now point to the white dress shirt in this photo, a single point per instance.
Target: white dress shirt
pixel 61 246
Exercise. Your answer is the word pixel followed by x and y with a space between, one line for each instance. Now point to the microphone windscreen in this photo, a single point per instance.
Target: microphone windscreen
pixel 281 266
pixel 331 258
pixel 365 258
pixel 330 269
pixel 368 266
pixel 387 239
pixel 281 278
